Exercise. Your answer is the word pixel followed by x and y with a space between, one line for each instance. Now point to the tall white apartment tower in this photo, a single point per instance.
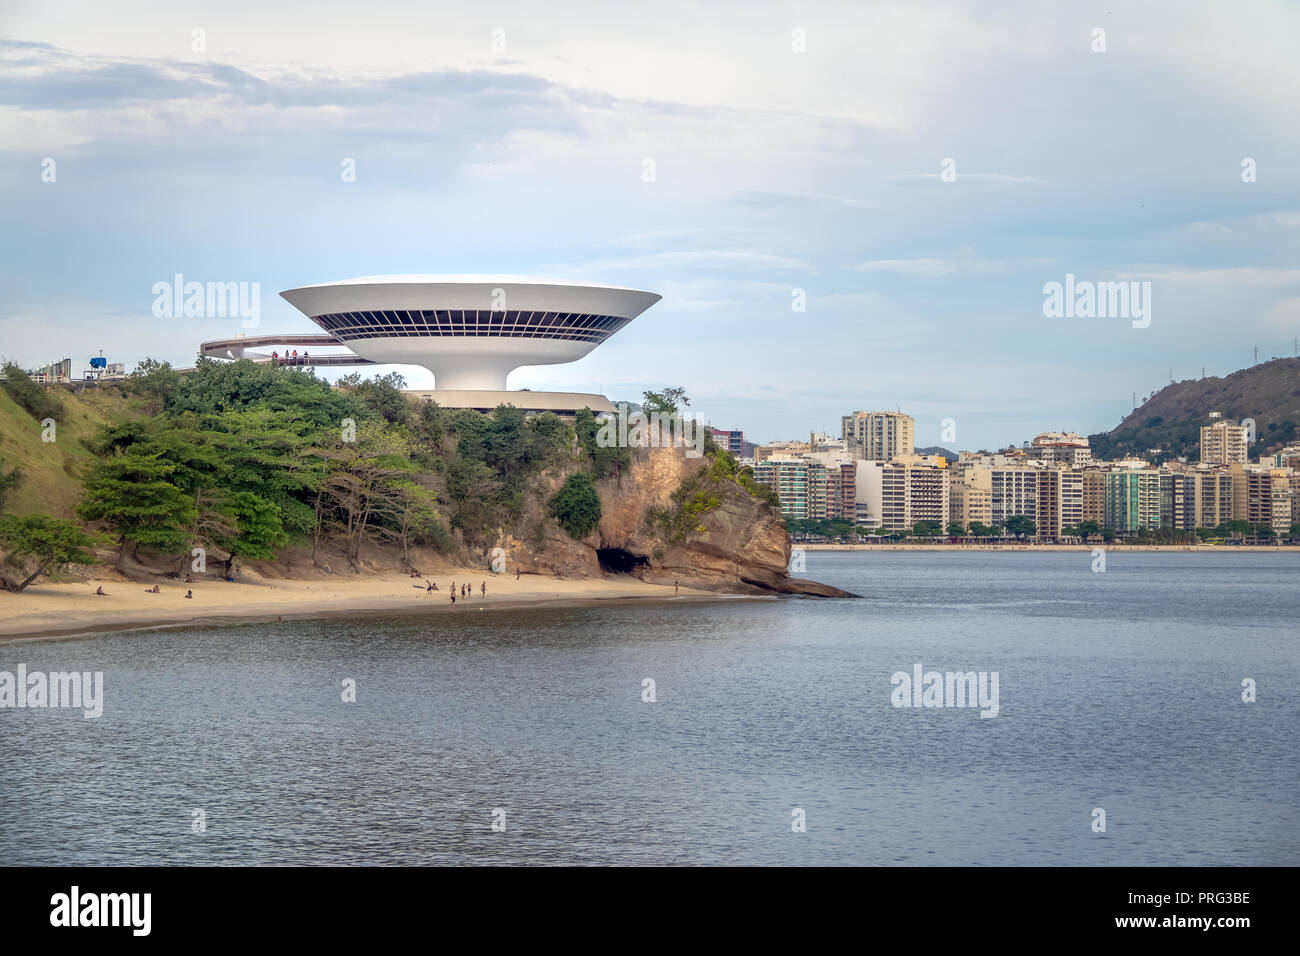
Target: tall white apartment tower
pixel 878 436
pixel 1223 443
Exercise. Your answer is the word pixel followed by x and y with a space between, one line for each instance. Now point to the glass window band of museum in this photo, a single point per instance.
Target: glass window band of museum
pixel 575 326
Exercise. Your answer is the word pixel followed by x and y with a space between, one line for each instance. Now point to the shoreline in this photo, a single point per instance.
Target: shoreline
pixel 1182 548
pixel 66 611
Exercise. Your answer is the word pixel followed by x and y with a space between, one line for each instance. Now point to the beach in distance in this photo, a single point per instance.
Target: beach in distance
pixel 1010 546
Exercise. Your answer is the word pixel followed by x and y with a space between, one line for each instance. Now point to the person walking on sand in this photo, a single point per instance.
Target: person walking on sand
pixel 484 588
pixel 676 587
pixel 453 597
pixel 516 574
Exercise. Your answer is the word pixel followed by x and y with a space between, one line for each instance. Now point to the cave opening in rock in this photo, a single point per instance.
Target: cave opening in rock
pixel 618 561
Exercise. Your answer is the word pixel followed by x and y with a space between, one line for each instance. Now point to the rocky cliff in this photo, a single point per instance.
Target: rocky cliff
pixel 739 545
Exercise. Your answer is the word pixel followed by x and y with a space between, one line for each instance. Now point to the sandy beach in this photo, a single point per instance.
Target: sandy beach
pixel 49 609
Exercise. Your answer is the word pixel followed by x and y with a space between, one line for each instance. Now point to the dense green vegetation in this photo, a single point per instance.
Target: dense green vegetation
pixel 576 506
pixel 242 461
pixel 39 403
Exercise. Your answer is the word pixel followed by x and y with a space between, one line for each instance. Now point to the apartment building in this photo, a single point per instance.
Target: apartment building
pixel 1061 448
pixel 1132 500
pixel 927 494
pixel 895 496
pixel 1060 502
pixel 1178 501
pixel 1094 496
pixel 732 441
pixel 802 486
pixel 1223 443
pixel 1262 496
pixel 783 448
pixel 878 436
pixel 970 496
pixel 1213 498
pixel 1014 492
pixel 843 491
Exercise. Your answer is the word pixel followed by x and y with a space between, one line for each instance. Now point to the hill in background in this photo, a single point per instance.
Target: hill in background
pixel 1171 419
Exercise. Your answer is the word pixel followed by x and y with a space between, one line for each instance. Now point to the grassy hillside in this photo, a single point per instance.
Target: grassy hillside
pixel 1172 418
pixel 50 469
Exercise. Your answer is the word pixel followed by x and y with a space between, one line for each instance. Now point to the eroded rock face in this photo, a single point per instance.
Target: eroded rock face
pixel 743 549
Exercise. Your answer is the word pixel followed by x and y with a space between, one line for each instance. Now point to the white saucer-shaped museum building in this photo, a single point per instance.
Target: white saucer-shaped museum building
pixel 470 331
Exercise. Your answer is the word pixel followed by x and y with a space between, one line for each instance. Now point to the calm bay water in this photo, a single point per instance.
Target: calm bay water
pixel 1119 690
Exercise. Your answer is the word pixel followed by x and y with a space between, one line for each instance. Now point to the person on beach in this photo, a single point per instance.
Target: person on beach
pixel 516 574
pixel 484 588
pixel 453 598
pixel 101 592
pixel 676 587
pixel 153 590
pixel 189 579
pixel 189 594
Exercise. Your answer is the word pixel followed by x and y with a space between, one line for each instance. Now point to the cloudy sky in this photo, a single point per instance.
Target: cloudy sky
pixel 730 156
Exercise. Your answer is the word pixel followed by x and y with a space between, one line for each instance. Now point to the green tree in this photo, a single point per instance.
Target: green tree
pixel 1020 526
pixel 956 529
pixel 216 387
pixel 134 495
pixel 359 475
pixel 382 395
pixel 404 512
pixel 38 544
pixel 576 506
pixel 1234 528
pixel 155 382
pixel 259 530
pixel 666 402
